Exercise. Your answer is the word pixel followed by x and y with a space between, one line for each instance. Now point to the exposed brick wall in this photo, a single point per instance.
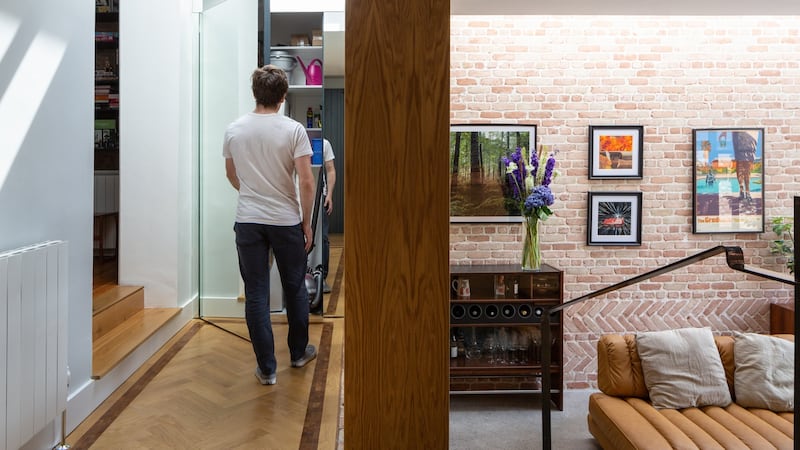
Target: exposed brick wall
pixel 670 75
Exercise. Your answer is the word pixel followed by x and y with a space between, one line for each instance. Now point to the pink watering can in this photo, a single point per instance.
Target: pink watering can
pixel 313 71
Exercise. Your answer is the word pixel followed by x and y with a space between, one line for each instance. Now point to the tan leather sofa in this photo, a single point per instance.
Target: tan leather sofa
pixel 621 417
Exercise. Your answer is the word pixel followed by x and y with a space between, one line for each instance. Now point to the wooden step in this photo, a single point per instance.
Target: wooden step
pixel 114 346
pixel 114 306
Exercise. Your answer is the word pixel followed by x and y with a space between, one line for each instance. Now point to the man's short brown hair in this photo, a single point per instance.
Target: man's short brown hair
pixel 269 85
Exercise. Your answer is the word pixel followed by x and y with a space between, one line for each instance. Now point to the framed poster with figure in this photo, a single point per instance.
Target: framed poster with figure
pixel 615 218
pixel 728 180
pixel 477 172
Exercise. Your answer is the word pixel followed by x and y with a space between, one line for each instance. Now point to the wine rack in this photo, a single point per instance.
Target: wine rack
pixel 495 322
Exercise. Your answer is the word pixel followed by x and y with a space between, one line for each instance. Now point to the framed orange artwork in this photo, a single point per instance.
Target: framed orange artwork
pixel 615 151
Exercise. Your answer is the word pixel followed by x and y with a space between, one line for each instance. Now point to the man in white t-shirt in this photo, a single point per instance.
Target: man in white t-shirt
pixel 264 151
pixel 330 183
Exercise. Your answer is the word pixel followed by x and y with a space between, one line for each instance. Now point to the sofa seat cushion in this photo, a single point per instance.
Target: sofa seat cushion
pixel 633 423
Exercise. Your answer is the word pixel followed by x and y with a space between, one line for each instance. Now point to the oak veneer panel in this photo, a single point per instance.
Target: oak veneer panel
pixel 397 224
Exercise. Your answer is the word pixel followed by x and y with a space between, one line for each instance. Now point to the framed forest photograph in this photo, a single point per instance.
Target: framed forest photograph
pixel 477 173
pixel 615 218
pixel 728 180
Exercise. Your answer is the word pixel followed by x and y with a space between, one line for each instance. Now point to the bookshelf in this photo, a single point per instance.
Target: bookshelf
pixel 106 85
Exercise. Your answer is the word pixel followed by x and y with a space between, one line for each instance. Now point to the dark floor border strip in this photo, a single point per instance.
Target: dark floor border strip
pixel 337 286
pixel 105 421
pixel 316 398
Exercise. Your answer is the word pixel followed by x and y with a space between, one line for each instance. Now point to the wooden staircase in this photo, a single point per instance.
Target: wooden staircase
pixel 120 324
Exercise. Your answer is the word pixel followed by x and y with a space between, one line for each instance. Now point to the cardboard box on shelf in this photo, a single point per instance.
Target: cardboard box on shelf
pixel 300 40
pixel 316 37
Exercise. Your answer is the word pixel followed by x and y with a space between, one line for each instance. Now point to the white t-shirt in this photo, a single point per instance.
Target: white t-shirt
pixel 327 151
pixel 327 155
pixel 263 148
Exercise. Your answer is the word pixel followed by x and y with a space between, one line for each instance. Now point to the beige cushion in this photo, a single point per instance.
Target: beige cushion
pixel 764 374
pixel 682 368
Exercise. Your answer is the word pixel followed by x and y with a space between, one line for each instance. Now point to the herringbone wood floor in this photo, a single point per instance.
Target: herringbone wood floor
pixel 199 390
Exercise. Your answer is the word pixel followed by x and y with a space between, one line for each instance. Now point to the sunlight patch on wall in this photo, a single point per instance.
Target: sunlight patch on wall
pixel 24 95
pixel 8 29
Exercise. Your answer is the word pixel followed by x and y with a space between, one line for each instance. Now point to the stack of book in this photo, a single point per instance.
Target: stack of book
pixel 102 93
pixel 105 36
pixel 113 101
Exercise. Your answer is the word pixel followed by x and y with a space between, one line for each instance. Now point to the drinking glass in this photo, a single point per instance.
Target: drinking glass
pixel 523 347
pixel 513 345
pixel 473 350
pixel 489 348
pixel 502 345
pixel 536 339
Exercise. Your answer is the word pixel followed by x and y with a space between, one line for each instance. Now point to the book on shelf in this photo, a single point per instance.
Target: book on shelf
pixel 105 36
pixel 105 134
pixel 105 124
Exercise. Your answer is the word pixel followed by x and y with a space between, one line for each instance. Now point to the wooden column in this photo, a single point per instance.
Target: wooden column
pixel 396 224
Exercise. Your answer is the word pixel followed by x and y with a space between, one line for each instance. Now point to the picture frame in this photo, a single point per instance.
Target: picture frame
pixel 477 172
pixel 614 218
pixel 616 151
pixel 728 180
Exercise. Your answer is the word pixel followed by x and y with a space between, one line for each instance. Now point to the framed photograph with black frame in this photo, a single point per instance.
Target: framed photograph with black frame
pixel 615 151
pixel 477 172
pixel 615 218
pixel 728 180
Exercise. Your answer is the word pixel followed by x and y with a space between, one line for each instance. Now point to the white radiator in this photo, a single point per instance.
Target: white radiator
pixel 33 340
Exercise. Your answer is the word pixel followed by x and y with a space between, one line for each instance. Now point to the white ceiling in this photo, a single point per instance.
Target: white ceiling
pixel 625 7
pixel 334 38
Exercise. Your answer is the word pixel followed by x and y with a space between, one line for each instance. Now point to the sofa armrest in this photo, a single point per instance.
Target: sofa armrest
pixel 619 369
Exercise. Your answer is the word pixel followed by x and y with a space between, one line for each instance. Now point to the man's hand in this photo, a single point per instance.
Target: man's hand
pixel 308 236
pixel 328 204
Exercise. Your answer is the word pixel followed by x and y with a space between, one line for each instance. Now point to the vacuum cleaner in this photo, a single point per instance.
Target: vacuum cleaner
pixel 314 275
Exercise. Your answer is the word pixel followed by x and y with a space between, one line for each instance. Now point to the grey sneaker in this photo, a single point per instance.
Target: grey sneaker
pixel 272 379
pixel 311 353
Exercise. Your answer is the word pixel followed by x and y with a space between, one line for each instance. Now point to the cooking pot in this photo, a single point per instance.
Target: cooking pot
pixel 284 60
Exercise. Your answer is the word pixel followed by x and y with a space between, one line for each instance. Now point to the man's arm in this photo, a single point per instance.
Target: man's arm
pixel 330 174
pixel 230 172
pixel 302 166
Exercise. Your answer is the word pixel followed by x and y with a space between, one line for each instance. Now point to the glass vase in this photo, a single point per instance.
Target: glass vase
pixel 531 257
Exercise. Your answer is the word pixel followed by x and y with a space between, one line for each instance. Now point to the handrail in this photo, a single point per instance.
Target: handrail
pixel 735 260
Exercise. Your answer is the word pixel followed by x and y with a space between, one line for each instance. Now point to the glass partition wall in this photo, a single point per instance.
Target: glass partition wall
pixel 228 55
pixel 233 41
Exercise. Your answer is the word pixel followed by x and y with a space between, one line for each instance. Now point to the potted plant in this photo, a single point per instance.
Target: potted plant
pixel 784 245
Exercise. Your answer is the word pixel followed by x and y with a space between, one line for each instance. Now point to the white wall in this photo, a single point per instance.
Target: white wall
pixel 46 145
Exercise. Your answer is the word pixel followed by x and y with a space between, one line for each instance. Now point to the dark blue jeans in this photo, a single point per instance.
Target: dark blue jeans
pixel 253 243
pixel 326 244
